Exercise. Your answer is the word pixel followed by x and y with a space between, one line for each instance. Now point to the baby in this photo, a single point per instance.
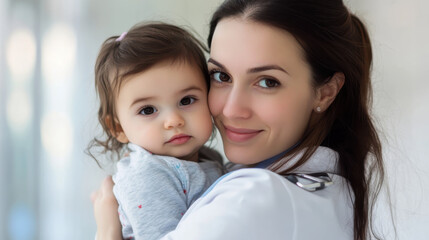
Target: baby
pixel 152 84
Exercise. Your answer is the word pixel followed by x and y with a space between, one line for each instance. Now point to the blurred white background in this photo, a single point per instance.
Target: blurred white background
pixel 48 106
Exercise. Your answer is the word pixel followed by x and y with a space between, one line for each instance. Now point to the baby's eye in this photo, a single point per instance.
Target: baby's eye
pixel 219 76
pixel 187 100
pixel 268 83
pixel 148 110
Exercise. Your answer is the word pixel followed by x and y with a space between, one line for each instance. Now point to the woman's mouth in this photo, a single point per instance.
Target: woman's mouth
pixel 240 134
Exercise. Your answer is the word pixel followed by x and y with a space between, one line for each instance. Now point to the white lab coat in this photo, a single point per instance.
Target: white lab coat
pixel 256 204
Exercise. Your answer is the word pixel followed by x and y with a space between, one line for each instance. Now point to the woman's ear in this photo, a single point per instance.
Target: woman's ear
pixel 116 130
pixel 327 93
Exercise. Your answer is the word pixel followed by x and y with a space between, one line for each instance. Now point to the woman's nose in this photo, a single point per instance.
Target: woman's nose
pixel 174 120
pixel 237 104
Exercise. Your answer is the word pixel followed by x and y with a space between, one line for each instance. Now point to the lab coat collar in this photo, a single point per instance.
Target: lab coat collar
pixel 323 160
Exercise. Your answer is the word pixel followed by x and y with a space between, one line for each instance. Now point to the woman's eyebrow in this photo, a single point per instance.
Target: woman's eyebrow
pixel 252 70
pixel 211 60
pixel 265 68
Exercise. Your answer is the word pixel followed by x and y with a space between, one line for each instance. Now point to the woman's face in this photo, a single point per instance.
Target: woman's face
pixel 261 95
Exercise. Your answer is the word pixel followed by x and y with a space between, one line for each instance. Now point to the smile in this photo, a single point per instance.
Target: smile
pixel 240 134
pixel 179 139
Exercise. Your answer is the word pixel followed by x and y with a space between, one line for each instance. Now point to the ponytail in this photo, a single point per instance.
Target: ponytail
pixel 365 49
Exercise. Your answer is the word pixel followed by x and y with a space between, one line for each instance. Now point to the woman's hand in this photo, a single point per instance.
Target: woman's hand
pixel 106 212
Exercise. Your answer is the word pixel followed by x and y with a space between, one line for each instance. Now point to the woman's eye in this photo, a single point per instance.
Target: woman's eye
pixel 149 110
pixel 187 100
pixel 220 76
pixel 268 83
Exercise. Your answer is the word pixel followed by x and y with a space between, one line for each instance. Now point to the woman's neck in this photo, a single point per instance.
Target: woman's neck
pixel 271 160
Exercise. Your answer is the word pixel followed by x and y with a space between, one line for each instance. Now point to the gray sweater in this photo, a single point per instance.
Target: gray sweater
pixel 155 191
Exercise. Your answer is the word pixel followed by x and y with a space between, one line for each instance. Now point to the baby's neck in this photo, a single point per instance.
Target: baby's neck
pixel 192 157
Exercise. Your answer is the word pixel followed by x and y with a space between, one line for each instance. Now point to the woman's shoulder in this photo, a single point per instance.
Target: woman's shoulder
pixel 235 205
pixel 256 179
pixel 247 180
pixel 264 205
pixel 262 184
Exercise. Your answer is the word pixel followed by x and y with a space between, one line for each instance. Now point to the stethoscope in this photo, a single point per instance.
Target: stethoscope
pixel 308 181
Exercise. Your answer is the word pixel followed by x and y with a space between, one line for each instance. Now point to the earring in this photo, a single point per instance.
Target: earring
pixel 318 109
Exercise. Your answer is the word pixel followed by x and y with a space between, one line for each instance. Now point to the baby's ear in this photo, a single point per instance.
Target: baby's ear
pixel 116 130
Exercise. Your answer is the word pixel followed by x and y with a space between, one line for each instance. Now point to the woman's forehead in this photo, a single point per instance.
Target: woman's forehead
pixel 241 42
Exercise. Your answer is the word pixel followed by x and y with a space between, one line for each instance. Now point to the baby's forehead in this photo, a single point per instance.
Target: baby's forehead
pixel 170 75
pixel 120 75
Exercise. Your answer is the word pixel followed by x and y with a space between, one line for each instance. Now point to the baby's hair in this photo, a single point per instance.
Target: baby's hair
pixel 142 47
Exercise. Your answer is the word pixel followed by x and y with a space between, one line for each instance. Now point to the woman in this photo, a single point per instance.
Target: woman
pixel 290 92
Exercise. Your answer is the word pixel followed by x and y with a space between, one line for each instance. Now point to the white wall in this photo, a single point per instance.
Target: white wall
pixel 400 36
pixel 49 182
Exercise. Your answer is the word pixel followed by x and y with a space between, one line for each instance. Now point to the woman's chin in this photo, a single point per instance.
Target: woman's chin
pixel 240 158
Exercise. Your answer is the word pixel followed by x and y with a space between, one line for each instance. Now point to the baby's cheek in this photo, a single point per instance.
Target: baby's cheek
pixel 205 125
pixel 150 139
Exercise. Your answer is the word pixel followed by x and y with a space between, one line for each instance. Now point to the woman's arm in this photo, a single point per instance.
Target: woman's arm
pixel 106 212
pixel 243 205
pixel 249 204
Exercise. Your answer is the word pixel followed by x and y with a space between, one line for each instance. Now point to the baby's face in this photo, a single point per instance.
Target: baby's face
pixel 164 110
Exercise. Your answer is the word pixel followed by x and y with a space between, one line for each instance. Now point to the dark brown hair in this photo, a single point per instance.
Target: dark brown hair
pixel 145 45
pixel 333 40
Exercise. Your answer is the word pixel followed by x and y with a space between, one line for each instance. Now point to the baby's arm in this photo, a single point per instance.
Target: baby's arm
pixel 153 193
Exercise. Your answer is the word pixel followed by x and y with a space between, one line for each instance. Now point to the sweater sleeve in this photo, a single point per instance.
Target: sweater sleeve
pixel 245 204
